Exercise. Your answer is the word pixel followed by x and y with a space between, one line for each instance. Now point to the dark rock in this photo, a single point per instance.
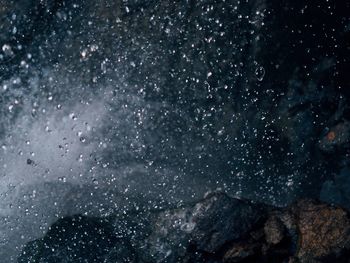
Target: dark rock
pixel 274 230
pixel 207 227
pixel 73 239
pixel 240 252
pixel 216 229
pixel 219 219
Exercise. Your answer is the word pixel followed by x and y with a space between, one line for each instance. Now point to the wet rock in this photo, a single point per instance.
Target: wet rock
pixel 215 229
pixel 73 239
pixel 240 252
pixel 204 227
pixel 274 230
pixel 224 219
pixel 323 230
pixel 308 231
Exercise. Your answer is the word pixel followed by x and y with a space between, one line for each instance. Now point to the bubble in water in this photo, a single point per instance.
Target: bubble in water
pixel 260 73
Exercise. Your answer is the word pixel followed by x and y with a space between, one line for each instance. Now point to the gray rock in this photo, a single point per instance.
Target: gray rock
pixel 204 227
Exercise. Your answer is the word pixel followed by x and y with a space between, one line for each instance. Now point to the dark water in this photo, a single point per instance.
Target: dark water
pixel 108 104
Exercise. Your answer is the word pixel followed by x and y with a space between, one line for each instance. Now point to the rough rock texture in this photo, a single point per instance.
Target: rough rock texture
pixel 323 230
pixel 216 229
pixel 205 227
pixel 308 231
pixel 73 239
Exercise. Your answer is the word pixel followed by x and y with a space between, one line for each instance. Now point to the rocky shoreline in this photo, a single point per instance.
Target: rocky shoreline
pixel 216 229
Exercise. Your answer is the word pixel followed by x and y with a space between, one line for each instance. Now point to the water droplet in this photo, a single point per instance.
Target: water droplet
pixel 73 116
pixel 62 179
pixel 6 48
pixel 260 73
pixel 83 53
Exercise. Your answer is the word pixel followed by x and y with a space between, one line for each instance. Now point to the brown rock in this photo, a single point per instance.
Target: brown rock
pixel 323 230
pixel 306 232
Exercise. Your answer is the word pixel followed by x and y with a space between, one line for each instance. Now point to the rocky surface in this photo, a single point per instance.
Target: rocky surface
pixel 216 229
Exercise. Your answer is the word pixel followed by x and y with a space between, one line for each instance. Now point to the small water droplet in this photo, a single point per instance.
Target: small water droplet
pixel 62 179
pixel 6 48
pixel 73 116
pixel 260 73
